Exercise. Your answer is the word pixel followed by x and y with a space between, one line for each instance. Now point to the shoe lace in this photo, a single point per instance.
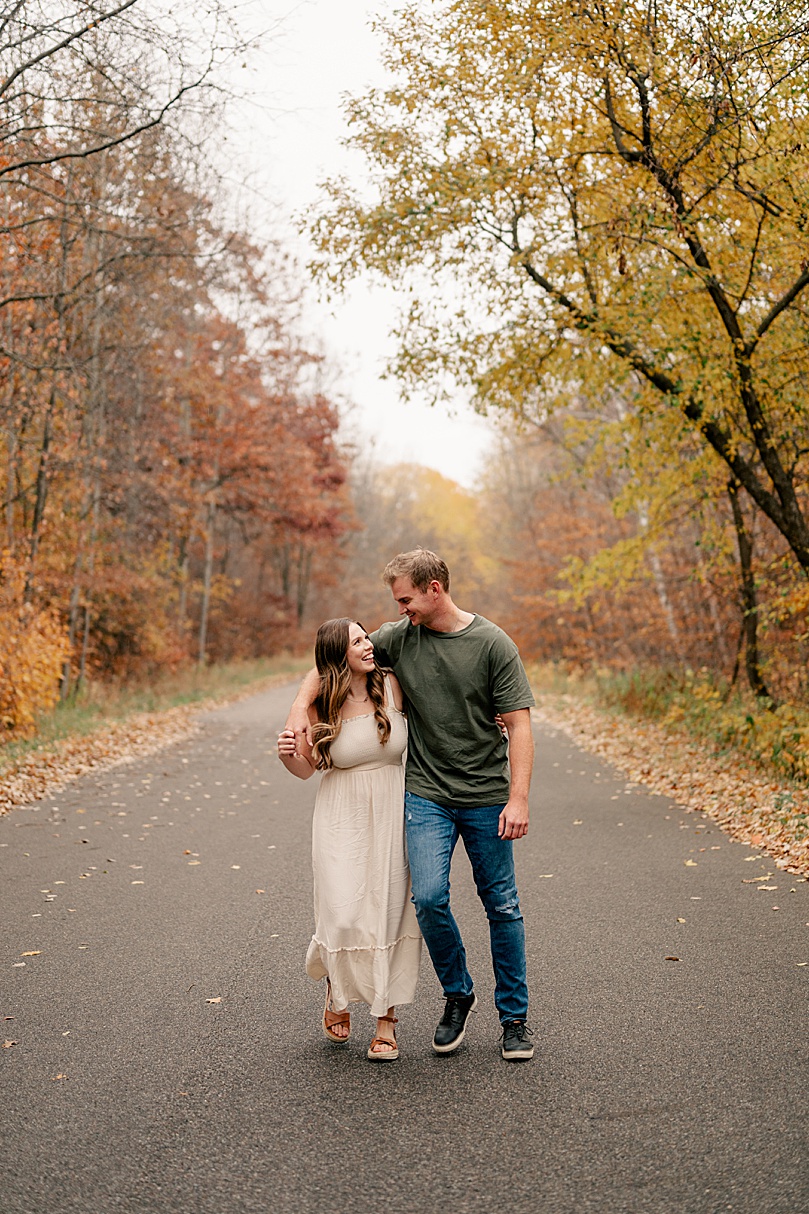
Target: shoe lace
pixel 453 1004
pixel 516 1028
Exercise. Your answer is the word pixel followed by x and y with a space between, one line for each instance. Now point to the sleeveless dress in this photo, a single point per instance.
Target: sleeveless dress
pixel 367 939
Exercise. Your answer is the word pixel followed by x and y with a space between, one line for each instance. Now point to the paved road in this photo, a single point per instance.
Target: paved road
pixel 659 1087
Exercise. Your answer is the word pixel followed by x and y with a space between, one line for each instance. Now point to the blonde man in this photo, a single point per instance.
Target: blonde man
pixel 463 780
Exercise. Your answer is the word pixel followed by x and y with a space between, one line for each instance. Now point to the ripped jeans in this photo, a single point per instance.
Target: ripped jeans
pixel 432 832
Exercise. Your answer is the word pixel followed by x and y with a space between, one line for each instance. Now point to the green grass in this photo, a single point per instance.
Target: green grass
pixel 100 703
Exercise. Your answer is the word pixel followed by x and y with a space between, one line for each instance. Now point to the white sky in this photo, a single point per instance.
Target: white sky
pixel 318 50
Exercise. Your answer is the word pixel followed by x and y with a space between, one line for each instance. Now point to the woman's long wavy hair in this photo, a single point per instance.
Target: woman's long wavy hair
pixel 331 659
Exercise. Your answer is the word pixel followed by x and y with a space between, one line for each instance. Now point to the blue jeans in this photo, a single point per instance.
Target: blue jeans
pixel 432 832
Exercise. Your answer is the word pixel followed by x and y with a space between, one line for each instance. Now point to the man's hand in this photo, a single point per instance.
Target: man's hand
pixel 298 720
pixel 299 724
pixel 513 821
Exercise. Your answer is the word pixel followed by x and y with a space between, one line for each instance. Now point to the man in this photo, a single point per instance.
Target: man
pixel 457 671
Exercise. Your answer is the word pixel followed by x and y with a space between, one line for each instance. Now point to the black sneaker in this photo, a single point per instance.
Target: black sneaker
pixel 452 1025
pixel 516 1047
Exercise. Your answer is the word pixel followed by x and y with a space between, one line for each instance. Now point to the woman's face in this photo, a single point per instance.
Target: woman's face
pixel 360 652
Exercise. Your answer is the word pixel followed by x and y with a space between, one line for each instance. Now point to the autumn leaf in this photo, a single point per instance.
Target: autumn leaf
pixel 37 952
pixel 7 1044
pixel 217 999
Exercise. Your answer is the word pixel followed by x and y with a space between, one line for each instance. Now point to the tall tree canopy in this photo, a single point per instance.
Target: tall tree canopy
pixel 611 192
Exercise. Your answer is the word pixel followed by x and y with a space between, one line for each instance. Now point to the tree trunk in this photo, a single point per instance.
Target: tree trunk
pixel 748 595
pixel 206 581
pixel 661 588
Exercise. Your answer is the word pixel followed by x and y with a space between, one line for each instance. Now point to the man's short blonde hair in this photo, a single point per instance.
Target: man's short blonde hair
pixel 421 566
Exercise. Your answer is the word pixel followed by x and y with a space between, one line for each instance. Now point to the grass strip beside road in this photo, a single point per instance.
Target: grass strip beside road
pixel 681 757
pixel 113 724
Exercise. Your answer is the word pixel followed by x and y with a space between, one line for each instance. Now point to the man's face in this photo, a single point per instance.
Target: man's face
pixel 418 605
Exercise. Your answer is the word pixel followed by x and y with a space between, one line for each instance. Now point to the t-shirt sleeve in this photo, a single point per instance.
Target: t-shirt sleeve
pixel 509 683
pixel 378 640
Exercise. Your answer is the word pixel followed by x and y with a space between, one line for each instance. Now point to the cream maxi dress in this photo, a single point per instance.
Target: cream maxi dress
pixel 367 940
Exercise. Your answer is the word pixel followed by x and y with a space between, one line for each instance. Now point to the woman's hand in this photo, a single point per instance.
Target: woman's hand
pixel 300 765
pixel 286 743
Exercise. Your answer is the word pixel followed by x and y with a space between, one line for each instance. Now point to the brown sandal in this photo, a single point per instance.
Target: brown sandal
pixel 389 1055
pixel 331 1018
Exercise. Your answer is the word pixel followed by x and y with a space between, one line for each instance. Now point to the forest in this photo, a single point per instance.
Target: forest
pixel 598 216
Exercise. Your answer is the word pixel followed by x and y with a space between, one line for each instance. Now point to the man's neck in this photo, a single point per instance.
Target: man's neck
pixel 450 619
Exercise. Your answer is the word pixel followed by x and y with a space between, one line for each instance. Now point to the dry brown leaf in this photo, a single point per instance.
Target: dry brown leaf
pixel 8 1044
pixel 34 952
pixel 217 999
pixel 690 864
pixel 671 958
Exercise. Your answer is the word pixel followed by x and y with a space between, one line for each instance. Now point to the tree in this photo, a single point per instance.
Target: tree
pixel 614 192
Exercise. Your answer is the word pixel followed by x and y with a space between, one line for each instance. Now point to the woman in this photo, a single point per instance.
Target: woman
pixel 367 943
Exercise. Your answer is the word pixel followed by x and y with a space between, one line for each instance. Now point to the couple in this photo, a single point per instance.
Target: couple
pixel 452 672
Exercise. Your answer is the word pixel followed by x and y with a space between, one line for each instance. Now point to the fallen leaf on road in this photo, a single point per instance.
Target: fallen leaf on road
pixel 801 964
pixel 690 864
pixel 8 1044
pixel 578 822
pixel 671 958
pixel 763 887
pixel 59 1076
pixel 541 875
pixel 35 952
pixel 187 851
pixel 194 861
pixel 681 920
pixel 137 882
pixel 235 866
pixel 261 891
pixel 753 880
pixel 217 999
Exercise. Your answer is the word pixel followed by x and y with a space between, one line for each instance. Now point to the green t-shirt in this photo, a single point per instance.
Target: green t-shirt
pixel 454 683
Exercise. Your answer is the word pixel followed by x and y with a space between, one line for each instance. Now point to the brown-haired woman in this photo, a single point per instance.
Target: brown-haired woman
pixel 367 943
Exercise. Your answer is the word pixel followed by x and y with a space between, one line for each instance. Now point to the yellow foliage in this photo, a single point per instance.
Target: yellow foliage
pixel 33 646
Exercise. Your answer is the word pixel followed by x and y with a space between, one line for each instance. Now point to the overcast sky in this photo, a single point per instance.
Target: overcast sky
pixel 316 51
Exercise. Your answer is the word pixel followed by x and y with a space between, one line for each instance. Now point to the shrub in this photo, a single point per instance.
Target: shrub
pixel 33 647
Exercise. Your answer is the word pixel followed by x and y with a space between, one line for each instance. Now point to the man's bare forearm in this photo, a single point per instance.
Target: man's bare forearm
pixel 521 758
pixel 513 822
pixel 298 720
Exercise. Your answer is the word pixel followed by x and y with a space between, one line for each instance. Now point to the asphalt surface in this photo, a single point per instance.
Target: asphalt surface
pixel 658 1085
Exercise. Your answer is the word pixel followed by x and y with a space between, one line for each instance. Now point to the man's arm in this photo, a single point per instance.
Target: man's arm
pixel 513 822
pixel 299 720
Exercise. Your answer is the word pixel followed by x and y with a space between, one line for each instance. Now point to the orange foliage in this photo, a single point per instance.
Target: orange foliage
pixel 33 646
